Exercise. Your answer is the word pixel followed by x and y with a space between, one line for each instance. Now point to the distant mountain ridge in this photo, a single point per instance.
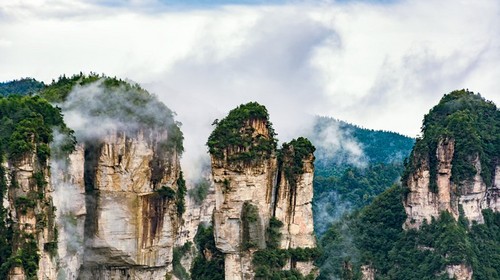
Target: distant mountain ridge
pixel 353 165
pixel 23 86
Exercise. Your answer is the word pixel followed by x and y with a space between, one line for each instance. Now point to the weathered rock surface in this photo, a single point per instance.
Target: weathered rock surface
pixel 249 195
pixel 29 202
pixel 119 226
pixel 459 272
pixel 422 203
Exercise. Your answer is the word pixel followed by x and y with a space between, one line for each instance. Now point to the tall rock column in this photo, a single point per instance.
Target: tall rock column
pixel 454 166
pixel 256 186
pixel 31 210
pixel 131 218
pixel 293 202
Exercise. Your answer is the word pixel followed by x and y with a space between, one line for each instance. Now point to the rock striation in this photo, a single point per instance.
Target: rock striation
pixel 454 166
pixel 254 185
pixel 29 202
pixel 129 226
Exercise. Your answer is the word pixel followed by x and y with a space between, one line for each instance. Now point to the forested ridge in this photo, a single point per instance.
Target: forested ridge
pixel 373 237
pixel 347 179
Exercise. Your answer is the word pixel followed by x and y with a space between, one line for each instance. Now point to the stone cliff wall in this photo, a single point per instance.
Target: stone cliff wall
pixel 249 191
pixel 125 226
pixel 29 204
pixel 422 203
pixel 234 188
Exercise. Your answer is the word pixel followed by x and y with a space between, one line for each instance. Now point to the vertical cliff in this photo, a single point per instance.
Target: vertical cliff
pixel 454 166
pixel 28 233
pixel 126 180
pixel 254 188
pixel 131 217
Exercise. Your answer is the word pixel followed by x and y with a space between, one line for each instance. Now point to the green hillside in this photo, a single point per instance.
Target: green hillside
pixel 353 165
pixel 374 236
pixel 24 86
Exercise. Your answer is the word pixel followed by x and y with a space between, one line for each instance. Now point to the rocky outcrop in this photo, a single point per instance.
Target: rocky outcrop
pixel 254 185
pixel 235 186
pixel 129 227
pixel 29 204
pixel 368 272
pixel 459 272
pixel 424 203
pixel 113 220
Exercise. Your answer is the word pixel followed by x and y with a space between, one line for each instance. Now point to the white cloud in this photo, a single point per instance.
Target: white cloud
pixel 380 66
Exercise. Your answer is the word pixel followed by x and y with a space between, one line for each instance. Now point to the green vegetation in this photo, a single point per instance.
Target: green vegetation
pixel 24 86
pixel 27 125
pixel 6 232
pixel 249 221
pixel 166 192
pixel 292 156
pixel 235 139
pixel 209 263
pixel 374 235
pixel 269 262
pixel 26 257
pixel 345 181
pixel 178 253
pixel 118 100
pixel 273 237
pixel 473 123
pixel 181 195
pixel 360 186
pixel 200 191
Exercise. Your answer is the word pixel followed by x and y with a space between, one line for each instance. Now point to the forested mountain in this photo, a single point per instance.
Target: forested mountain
pixel 443 222
pixel 353 165
pixel 24 86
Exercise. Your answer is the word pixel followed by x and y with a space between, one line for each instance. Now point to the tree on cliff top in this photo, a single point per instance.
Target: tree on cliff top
pixel 101 99
pixel 235 137
pixel 473 123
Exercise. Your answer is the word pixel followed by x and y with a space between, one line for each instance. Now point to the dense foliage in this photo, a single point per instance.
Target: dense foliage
pixel 209 263
pixel 27 126
pixel 180 196
pixel 126 104
pixel 473 123
pixel 345 178
pixel 24 86
pixel 292 156
pixel 269 262
pixel 374 236
pixel 336 142
pixel 178 253
pixel 235 139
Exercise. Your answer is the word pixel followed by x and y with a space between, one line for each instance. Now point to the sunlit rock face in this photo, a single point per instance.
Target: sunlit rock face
pixel 29 203
pixel 251 191
pixel 421 203
pixel 128 228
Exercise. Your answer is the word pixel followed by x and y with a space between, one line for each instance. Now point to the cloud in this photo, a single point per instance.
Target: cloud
pixel 382 66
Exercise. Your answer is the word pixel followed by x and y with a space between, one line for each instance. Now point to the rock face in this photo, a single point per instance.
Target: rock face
pixel 252 186
pixel 233 188
pixel 29 201
pixel 422 203
pixel 129 228
pixel 459 272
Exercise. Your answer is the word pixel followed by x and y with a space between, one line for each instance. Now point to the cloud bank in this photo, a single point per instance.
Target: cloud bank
pixel 382 66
